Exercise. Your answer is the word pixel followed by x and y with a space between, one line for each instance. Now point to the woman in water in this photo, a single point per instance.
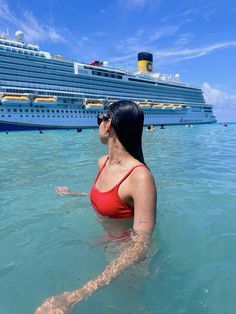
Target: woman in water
pixel 123 196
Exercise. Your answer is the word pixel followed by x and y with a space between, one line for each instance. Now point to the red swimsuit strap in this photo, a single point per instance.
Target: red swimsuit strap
pixel 103 166
pixel 128 173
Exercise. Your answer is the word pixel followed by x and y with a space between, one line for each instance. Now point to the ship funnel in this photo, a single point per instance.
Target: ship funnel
pixel 145 60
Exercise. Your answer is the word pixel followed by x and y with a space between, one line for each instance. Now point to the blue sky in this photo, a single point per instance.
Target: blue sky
pixel 194 38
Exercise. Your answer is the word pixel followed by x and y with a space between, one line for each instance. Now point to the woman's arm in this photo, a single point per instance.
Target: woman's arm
pixel 64 190
pixel 138 248
pixel 63 303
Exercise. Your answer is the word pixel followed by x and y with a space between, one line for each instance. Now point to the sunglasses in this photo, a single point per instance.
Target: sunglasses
pixel 102 117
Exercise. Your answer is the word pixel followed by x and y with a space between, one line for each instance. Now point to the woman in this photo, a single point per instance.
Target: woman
pixel 123 196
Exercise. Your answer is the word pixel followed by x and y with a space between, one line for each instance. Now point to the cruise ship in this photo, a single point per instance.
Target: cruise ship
pixel 39 91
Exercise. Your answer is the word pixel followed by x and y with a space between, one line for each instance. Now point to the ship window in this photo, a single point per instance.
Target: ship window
pixel 37 110
pixel 62 111
pixel 43 110
pixel 33 116
pixel 53 110
pixel 32 110
pixel 26 110
pixel 3 116
pixel 15 110
pixel 67 111
pixel 38 116
pixel 71 111
pixel 48 111
pixel 9 110
pixel 26 116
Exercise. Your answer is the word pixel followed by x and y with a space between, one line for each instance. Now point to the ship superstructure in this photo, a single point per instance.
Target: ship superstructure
pixel 42 91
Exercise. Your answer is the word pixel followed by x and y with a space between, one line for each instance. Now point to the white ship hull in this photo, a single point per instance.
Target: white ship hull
pixel 84 118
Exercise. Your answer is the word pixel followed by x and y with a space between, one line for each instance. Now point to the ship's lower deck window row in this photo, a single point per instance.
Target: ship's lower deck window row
pixel 85 116
pixel 89 113
pixel 49 111
pixel 43 116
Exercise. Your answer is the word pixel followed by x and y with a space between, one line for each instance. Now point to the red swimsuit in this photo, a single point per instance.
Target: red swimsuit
pixel 109 203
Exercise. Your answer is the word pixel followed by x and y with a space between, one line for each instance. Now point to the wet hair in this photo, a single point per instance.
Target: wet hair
pixel 127 120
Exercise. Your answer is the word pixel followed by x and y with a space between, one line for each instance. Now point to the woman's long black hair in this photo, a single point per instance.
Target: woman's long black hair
pixel 127 120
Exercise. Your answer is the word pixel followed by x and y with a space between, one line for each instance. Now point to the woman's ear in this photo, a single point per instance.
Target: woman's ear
pixel 108 126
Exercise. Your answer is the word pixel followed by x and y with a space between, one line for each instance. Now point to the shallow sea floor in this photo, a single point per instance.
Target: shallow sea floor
pixel 48 244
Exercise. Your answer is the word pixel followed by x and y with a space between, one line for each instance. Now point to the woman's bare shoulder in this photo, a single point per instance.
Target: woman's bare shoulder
pixel 101 161
pixel 142 175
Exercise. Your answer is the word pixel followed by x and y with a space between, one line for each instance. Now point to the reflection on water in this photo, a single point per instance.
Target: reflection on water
pixel 49 244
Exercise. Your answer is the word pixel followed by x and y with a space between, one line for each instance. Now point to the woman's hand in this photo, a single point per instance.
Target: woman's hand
pixel 63 190
pixel 54 305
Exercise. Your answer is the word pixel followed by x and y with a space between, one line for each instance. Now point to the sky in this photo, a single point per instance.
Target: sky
pixel 194 38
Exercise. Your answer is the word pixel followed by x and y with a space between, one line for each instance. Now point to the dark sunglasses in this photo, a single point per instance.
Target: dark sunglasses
pixel 102 117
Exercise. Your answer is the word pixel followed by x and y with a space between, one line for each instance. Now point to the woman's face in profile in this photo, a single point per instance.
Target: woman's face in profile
pixel 103 133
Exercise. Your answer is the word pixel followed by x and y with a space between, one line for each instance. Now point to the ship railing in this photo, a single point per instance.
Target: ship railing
pixel 62 58
pixel 61 92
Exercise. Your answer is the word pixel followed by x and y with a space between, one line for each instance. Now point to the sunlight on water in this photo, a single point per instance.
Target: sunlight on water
pixel 48 244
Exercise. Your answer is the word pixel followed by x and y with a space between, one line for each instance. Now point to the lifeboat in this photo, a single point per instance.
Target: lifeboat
pixel 157 105
pixel 44 100
pixel 94 103
pixel 177 106
pixel 167 106
pixel 144 105
pixel 13 99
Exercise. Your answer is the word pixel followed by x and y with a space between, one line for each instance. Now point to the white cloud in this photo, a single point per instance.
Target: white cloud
pixel 33 29
pixel 224 103
pixel 184 39
pixel 164 31
pixel 188 53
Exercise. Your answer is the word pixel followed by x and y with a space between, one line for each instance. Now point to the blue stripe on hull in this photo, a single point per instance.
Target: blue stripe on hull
pixel 21 127
pixel 15 127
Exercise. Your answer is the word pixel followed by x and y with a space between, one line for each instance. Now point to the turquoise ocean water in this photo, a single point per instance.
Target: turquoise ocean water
pixel 48 243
